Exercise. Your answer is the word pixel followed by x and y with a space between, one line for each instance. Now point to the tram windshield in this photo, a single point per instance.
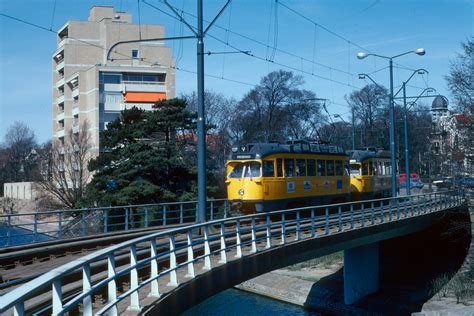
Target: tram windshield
pixel 355 169
pixel 246 170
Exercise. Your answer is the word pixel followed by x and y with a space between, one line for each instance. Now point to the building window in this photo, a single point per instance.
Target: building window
pixel 135 53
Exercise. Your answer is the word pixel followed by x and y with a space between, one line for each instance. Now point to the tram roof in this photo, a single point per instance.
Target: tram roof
pixel 262 150
pixel 360 155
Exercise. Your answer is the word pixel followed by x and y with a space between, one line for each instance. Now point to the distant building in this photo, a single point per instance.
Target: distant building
pixel 87 86
pixel 452 141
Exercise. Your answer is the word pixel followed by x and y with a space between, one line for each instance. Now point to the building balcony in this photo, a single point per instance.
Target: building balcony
pixel 75 108
pixel 143 86
pixel 60 132
pixel 60 65
pixel 75 128
pixel 60 116
pixel 60 99
pixel 60 83
pixel 75 93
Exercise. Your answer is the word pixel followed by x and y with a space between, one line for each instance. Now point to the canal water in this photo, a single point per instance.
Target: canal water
pixel 234 302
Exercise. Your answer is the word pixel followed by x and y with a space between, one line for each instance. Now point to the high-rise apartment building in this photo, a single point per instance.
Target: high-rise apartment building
pixel 87 86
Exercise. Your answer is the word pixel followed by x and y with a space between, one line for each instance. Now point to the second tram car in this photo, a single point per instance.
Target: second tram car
pixel 371 172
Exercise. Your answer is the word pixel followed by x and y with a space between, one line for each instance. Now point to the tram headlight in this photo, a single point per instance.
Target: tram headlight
pixel 235 149
pixel 241 192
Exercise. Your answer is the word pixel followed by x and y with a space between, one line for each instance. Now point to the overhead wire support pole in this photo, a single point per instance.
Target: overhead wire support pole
pixel 199 34
pixel 201 120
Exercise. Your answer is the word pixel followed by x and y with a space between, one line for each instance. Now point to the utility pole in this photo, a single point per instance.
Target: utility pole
pixel 353 130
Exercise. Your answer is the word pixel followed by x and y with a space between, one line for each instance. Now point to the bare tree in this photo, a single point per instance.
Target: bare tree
pixel 276 109
pixel 19 140
pixel 370 106
pixel 68 173
pixel 461 78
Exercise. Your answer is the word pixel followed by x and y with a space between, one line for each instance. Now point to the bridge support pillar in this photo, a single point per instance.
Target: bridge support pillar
pixel 361 272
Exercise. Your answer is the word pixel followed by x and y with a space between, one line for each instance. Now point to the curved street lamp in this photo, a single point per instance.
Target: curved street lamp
pixel 362 55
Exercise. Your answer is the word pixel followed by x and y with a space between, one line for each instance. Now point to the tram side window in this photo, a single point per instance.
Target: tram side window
pixel 339 170
pixel 387 168
pixel 268 168
pixel 330 168
pixel 321 167
pixel 311 164
pixel 371 169
pixel 289 168
pixel 375 168
pixel 279 168
pixel 346 168
pixel 300 168
pixel 365 169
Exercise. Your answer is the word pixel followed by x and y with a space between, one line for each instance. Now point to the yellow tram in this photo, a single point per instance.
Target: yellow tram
pixel 371 172
pixel 269 176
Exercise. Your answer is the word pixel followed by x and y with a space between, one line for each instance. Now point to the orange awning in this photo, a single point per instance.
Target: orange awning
pixel 144 97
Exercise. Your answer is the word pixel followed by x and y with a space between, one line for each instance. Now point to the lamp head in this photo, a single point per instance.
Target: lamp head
pixel 421 72
pixel 420 51
pixel 362 55
pixel 430 90
pixel 361 76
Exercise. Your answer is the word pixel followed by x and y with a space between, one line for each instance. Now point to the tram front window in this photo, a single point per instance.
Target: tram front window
pixel 246 170
pixel 355 170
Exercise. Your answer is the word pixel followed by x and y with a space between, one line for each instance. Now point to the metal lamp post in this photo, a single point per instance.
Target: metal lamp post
pixel 362 55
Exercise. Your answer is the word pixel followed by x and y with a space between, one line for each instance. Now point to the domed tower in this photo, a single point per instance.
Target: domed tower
pixel 439 107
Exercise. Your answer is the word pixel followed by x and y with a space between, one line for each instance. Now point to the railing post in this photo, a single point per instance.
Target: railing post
pixel 181 213
pixel 398 208
pixel 390 208
pixel 173 276
pixel 381 212
pixel 298 226
pixel 283 229
pixel 327 220
pixel 146 217
pixel 19 309
pixel 362 210
pixel 372 213
pixel 431 202
pixel 418 204
pixel 9 229
pixel 57 297
pixel 112 285
pixel 196 213
pixel 86 286
pixel 134 298
pixel 226 205
pixel 207 250
pixel 411 206
pixel 424 204
pixel 155 290
pixel 238 241
pixel 126 218
pixel 313 228
pixel 106 220
pixel 164 215
pixel 212 210
pixel 35 227
pixel 339 218
pixel 223 246
pixel 190 273
pixel 60 225
pixel 269 232
pixel 352 216
pixel 254 237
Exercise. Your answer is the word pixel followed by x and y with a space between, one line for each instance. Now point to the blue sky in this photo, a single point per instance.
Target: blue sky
pixel 385 27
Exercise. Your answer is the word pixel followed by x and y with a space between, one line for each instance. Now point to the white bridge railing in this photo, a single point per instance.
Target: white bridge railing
pixel 130 275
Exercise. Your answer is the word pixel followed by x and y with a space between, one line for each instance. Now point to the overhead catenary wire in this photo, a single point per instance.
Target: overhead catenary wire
pixel 151 63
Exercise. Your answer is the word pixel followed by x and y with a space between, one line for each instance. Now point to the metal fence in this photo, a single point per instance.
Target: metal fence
pixel 17 229
pixel 154 261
